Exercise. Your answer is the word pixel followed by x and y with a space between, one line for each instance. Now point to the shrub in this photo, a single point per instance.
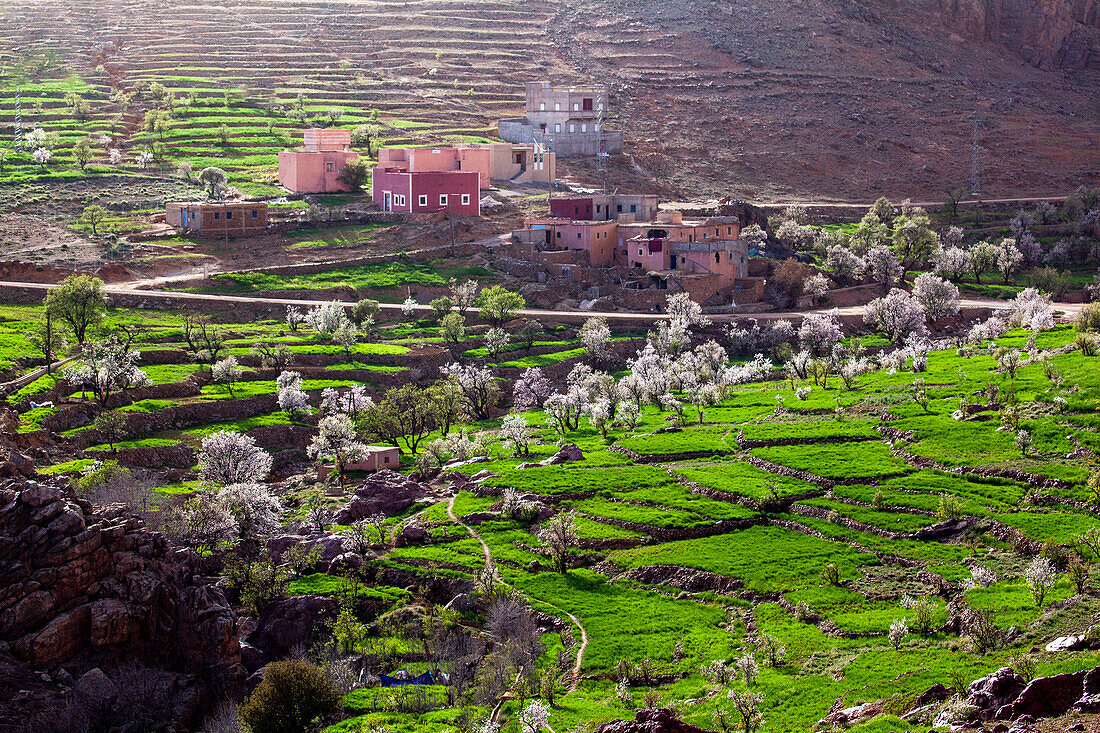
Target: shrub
pixel 1088 319
pixel 1023 664
pixel 294 693
pixel 1087 343
pixel 830 575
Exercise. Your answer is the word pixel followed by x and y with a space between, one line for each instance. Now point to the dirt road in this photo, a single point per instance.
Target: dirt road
pixel 1070 309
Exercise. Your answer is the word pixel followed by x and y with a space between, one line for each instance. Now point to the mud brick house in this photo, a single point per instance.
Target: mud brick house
pixel 704 257
pixel 606 207
pixel 492 161
pixel 217 218
pixel 567 119
pixel 395 188
pixel 316 167
pixel 376 458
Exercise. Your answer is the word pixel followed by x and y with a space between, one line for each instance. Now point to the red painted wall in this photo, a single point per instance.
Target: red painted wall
pixel 431 185
pixel 579 209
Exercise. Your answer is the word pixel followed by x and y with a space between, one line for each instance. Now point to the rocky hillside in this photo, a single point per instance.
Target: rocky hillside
pixel 1055 34
pixel 840 99
pixel 101 622
pixel 846 99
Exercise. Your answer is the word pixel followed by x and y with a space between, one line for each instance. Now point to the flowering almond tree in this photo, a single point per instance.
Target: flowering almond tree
pixel 107 367
pixel 232 458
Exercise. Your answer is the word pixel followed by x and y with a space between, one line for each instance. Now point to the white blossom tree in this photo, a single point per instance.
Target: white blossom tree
pixel 559 535
pixel 939 297
pixel 294 317
pixel 1008 258
pixel 228 458
pixel 1032 309
pixel 496 341
pixel 463 295
pixel 883 267
pixel 336 441
pixel 517 434
pixel 534 717
pixel 843 264
pixel 480 392
pixel 107 367
pixel 820 331
pixel 897 315
pixel 292 399
pixel 226 371
pixel 531 389
pixel 815 286
pixel 256 511
pixel 326 318
pixel 353 402
pixel 1041 576
pixel 408 307
pixel 595 336
pixel 953 263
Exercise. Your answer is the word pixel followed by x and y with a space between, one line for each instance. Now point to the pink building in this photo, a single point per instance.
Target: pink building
pixel 409 192
pixel 597 238
pixel 316 167
pixel 492 161
pixel 377 458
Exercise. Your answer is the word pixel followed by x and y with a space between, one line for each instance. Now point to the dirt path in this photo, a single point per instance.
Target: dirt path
pixel 489 558
pixel 1070 309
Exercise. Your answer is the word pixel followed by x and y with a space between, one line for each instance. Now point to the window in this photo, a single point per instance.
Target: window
pixel 584 127
pixel 572 127
pixel 386 459
pixel 689 238
pixel 729 231
pixel 557 127
pixel 442 199
pixel 558 234
pixel 542 106
pixel 229 215
pixel 633 208
pixel 465 199
pixel 717 257
pixel 330 167
pixel 255 214
pixel 217 215
pixel 557 106
pixel 619 208
pixel 576 106
pixel 587 104
pixel 578 235
pixel 639 251
pixel 423 200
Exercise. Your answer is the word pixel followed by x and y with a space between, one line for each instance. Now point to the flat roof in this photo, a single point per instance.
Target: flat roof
pixel 219 204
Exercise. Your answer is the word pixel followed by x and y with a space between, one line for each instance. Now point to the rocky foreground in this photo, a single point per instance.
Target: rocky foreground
pixel 102 623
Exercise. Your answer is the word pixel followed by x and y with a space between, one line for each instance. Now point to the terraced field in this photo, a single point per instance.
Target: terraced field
pixel 776 526
pixel 698 91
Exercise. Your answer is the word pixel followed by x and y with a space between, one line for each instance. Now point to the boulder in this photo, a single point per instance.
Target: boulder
pixel 412 533
pixel 286 624
pixel 386 492
pixel 935 693
pixel 479 517
pixel 346 561
pixel 1046 697
pixel 568 452
pixel 994 691
pixel 651 721
pixel 854 715
pixel 1068 643
pixel 331 545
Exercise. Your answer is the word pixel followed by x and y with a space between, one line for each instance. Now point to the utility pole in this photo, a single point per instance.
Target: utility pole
pixel 975 163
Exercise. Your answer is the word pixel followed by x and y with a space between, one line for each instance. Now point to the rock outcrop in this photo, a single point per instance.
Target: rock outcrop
pixel 94 607
pixel 1049 34
pixel 386 492
pixel 651 721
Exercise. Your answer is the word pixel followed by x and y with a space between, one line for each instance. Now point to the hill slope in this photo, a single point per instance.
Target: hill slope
pixel 844 99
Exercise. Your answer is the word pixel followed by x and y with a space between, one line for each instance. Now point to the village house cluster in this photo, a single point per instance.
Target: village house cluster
pixel 618 244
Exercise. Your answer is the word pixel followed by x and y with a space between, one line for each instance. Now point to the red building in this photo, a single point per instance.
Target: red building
pixel 397 189
pixel 579 209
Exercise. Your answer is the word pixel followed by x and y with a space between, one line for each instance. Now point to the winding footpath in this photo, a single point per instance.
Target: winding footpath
pixel 489 559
